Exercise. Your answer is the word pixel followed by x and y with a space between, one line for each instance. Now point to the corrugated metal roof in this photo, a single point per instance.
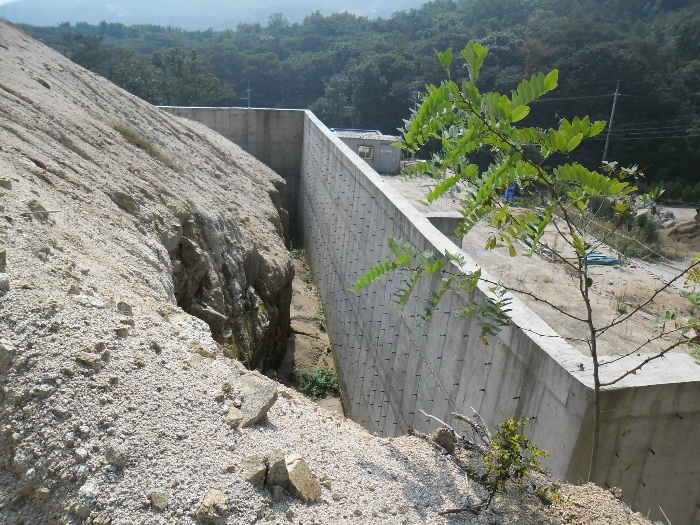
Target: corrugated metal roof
pixel 366 136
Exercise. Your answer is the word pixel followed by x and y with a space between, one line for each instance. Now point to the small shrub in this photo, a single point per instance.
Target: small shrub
pixel 320 318
pixel 511 460
pixel 316 384
pixel 307 278
pixel 141 142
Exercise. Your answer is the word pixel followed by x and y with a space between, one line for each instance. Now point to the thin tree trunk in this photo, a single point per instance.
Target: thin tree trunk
pixel 596 379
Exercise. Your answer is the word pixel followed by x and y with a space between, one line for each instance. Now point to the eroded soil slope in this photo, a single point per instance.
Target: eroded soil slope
pixel 154 206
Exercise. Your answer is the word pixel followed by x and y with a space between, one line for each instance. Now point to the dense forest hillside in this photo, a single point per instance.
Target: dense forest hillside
pixel 359 72
pixel 188 14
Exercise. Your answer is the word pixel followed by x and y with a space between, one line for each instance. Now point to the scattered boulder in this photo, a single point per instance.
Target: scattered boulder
pixel 125 308
pixel 116 454
pixel 277 493
pixel 159 500
pixel 7 354
pixel 213 508
pixel 233 417
pixel 41 496
pixel 277 473
pixel 444 438
pixel 254 469
pixel 102 519
pixel 124 201
pixel 259 393
pixel 6 183
pixel 37 208
pixel 194 360
pixel 4 283
pixel 616 492
pixel 89 360
pixel 303 484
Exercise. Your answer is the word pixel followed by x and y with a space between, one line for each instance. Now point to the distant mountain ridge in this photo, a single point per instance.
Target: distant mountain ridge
pixel 188 14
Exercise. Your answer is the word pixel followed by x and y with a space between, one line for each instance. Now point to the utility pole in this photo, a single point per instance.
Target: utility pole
pixel 248 96
pixel 610 124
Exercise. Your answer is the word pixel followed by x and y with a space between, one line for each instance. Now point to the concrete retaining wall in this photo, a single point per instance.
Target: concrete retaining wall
pixel 390 367
pixel 273 136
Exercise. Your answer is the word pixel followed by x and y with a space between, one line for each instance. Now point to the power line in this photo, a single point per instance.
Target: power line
pixel 665 132
pixel 656 138
pixel 629 127
pixel 552 99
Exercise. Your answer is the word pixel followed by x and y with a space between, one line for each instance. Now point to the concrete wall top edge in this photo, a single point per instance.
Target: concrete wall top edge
pixel 302 111
pixel 673 368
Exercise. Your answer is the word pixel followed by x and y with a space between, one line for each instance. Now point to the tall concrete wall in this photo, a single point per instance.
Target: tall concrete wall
pixel 273 136
pixel 390 367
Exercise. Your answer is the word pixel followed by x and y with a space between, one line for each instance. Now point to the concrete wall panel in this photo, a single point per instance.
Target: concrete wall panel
pixel 389 366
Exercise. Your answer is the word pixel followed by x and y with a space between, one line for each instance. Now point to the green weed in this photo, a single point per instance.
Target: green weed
pixel 316 384
pixel 141 142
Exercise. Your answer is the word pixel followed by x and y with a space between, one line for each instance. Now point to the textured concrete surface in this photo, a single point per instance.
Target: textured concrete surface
pixel 273 136
pixel 390 366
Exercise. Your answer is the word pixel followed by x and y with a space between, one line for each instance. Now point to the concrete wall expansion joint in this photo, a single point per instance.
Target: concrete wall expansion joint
pixel 389 368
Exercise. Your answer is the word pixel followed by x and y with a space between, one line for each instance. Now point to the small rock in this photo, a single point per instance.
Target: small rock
pixel 214 507
pixel 204 352
pixel 37 208
pixel 302 482
pixel 277 473
pixel 139 361
pixel 289 514
pixel 122 332
pixel 259 393
pixel 81 455
pixel 159 500
pixel 3 261
pixel 156 347
pixel 7 354
pixel 116 454
pixel 41 496
pixel 357 512
pixel 125 308
pixel 226 386
pixel 254 469
pixel 6 183
pixel 277 493
pixel 4 283
pixel 74 289
pixel 233 417
pixel 81 511
pixel 194 360
pixel 102 519
pixel 89 360
pixel 444 438
pixel 616 492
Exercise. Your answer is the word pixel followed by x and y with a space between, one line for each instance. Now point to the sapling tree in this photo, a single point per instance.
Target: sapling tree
pixel 466 121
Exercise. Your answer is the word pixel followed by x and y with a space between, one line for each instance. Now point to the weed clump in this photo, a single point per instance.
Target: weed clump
pixel 316 384
pixel 143 143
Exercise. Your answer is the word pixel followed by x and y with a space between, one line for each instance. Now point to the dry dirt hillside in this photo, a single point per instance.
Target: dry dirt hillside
pixel 135 250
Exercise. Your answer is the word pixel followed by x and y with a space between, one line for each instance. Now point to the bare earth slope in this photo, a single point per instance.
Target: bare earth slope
pixel 111 389
pixel 202 233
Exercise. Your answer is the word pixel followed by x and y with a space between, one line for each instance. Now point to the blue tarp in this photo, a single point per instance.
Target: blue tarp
pixel 599 258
